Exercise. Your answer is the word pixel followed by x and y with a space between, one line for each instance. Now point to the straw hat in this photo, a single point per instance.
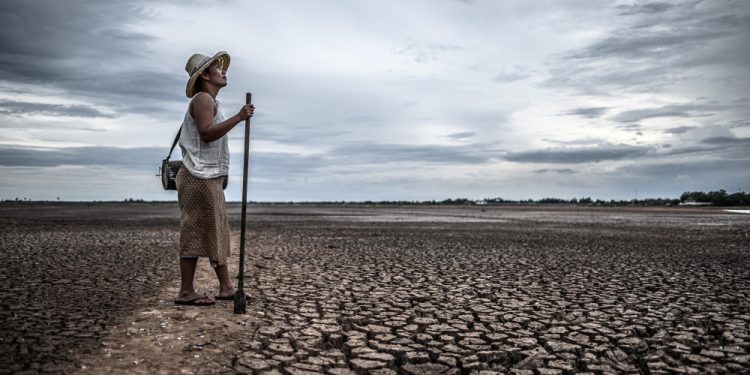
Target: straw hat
pixel 197 63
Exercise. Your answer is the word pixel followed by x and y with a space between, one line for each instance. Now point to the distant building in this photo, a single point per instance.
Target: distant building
pixel 692 202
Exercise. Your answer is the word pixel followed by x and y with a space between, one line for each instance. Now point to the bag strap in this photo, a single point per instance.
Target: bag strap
pixel 176 138
pixel 175 142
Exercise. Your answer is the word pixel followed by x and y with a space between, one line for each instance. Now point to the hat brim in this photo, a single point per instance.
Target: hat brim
pixel 223 55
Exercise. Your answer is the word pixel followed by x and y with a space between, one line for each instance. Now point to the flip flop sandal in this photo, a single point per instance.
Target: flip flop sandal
pixel 197 301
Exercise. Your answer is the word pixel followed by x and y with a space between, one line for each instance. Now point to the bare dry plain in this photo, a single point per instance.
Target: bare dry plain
pixel 88 288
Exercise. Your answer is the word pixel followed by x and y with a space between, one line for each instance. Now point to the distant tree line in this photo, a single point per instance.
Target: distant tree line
pixel 714 198
pixel 717 198
pixel 587 201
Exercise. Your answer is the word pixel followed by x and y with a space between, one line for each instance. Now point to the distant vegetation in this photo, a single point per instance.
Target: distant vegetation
pixel 697 198
pixel 717 198
pixel 713 198
pixel 588 201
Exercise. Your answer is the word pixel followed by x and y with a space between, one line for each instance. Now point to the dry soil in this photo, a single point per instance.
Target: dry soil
pixel 381 290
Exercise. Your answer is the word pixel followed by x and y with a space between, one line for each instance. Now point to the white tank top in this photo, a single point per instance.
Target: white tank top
pixel 203 159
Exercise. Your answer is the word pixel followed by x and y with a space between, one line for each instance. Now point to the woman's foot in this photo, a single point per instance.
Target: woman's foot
pixel 226 293
pixel 194 299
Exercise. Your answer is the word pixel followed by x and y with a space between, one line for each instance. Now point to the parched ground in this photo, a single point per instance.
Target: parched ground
pixel 409 290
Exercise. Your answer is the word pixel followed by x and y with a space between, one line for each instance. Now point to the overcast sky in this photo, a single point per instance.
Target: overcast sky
pixel 383 100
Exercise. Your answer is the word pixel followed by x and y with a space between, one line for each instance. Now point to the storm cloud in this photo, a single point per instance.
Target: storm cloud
pixel 678 130
pixel 656 45
pixel 678 111
pixel 73 110
pixel 580 155
pixel 590 112
pixel 417 100
pixel 368 153
pixel 84 47
pixel 134 158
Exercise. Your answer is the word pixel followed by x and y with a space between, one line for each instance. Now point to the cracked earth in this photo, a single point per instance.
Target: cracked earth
pixel 384 290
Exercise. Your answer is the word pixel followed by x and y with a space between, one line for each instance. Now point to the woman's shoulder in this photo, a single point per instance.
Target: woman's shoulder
pixel 203 100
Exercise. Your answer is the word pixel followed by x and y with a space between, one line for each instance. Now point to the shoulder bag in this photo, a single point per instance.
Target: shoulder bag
pixel 169 168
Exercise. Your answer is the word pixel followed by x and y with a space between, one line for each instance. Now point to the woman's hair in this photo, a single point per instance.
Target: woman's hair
pixel 198 85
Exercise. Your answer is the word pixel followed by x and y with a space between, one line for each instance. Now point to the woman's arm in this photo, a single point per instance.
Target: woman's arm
pixel 202 109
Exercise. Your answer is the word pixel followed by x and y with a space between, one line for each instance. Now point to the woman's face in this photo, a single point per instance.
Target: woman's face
pixel 215 74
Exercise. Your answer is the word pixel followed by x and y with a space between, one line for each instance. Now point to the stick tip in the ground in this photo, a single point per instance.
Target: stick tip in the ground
pixel 240 302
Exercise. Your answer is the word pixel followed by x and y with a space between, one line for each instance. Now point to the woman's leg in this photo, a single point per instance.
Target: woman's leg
pixel 187 275
pixel 226 289
pixel 187 290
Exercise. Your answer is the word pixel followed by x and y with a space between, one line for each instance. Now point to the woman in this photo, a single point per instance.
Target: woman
pixel 204 229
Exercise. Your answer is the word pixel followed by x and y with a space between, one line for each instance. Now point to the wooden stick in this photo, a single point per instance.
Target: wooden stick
pixel 240 301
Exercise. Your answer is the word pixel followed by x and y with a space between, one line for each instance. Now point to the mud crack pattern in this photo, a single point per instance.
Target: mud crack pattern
pixel 416 298
pixel 382 290
pixel 69 274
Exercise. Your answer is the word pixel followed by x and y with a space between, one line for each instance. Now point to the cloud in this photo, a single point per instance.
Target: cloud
pixel 86 48
pixel 43 41
pixel 140 157
pixel 137 157
pixel 679 130
pixel 555 171
pixel 696 170
pixel 461 135
pixel 632 127
pixel 578 142
pixel 655 46
pixel 581 155
pixel 346 159
pixel 71 110
pixel 676 110
pixel 648 8
pixel 405 94
pixel 726 143
pixel 739 123
pixel 513 74
pixel 714 148
pixel 588 112
pixel 422 52
pixel 381 153
pixel 282 165
pixel 689 27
